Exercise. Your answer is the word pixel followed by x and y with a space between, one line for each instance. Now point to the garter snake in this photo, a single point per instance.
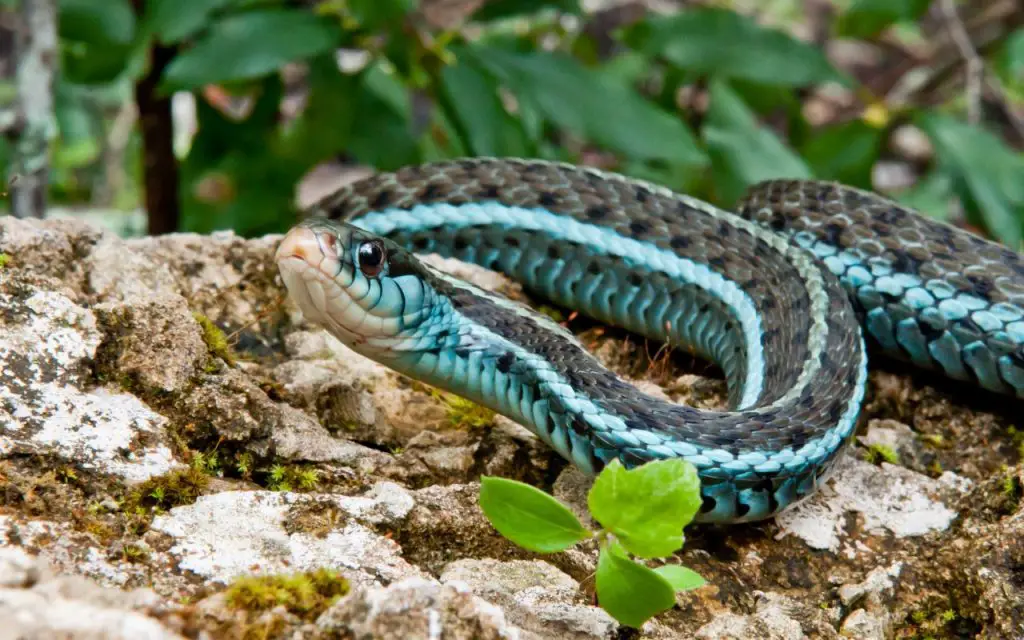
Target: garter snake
pixel 781 294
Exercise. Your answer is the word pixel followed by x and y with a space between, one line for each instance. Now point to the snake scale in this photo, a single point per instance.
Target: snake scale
pixel 780 294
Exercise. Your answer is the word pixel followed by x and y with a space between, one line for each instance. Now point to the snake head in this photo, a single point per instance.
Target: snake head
pixel 366 290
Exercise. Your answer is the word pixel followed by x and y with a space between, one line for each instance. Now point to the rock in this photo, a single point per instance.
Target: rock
pixel 157 345
pixel 69 551
pixel 19 570
pixel 730 626
pixel 891 498
pixel 34 603
pixel 117 271
pixel 535 596
pixel 572 487
pixel 864 626
pixel 48 402
pixel 879 585
pixel 386 504
pixel 228 534
pixel 414 609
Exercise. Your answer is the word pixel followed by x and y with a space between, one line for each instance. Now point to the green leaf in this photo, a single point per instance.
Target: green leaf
pixel 742 152
pixel 529 517
pixel 986 173
pixel 501 9
pixel 471 97
pixel 95 39
pixel 249 45
pixel 591 104
pixel 681 578
pixel 867 18
pixel 79 130
pixel 1013 55
pixel 110 22
pixel 647 507
pixel 931 195
pixel 845 152
pixel 171 22
pixel 630 592
pixel 382 136
pixel 723 43
pixel 377 14
pixel 324 128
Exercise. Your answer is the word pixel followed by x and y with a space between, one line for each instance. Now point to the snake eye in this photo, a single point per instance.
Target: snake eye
pixel 371 258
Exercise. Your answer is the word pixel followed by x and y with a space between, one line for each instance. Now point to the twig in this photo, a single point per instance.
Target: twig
pixel 974 67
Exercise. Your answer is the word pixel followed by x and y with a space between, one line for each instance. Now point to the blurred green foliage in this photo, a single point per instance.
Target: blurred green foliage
pixel 525 84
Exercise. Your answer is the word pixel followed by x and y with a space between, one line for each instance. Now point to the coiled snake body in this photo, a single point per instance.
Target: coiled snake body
pixel 776 294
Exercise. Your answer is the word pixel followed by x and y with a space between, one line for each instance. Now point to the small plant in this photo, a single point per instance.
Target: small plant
pixel 243 465
pixel 292 478
pixel 208 463
pixel 4 259
pixel 642 512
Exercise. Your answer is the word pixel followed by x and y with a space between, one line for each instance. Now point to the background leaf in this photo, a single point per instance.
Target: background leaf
pixel 630 592
pixel 986 174
pixel 742 151
pixel 529 517
pixel 502 9
pixel 868 18
pixel 590 104
pixel 110 22
pixel 471 97
pixel 647 507
pixel 171 22
pixel 722 43
pixel 845 152
pixel 249 45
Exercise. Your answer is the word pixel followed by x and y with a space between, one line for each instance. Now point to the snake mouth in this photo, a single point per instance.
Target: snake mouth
pixel 310 265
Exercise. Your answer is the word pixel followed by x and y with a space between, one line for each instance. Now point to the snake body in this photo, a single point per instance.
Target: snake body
pixel 776 294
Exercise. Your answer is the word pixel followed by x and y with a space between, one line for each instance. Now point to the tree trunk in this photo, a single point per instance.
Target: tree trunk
pixel 30 124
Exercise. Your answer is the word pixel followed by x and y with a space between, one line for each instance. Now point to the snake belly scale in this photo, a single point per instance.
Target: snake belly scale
pixel 778 294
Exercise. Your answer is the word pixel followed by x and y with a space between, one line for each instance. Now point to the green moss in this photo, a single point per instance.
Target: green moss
pixel 134 553
pixel 551 312
pixel 215 339
pixel 164 492
pixel 4 259
pixel 306 595
pixel 879 453
pixel 1011 488
pixel 462 413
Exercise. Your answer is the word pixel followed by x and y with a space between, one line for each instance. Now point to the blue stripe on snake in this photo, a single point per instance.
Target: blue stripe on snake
pixel 760 292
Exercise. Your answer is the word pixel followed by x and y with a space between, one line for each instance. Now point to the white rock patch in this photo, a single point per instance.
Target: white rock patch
pixel 44 353
pixel 235 533
pixel 890 498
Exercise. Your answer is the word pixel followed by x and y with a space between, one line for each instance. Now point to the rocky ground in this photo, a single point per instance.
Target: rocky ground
pixel 181 455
